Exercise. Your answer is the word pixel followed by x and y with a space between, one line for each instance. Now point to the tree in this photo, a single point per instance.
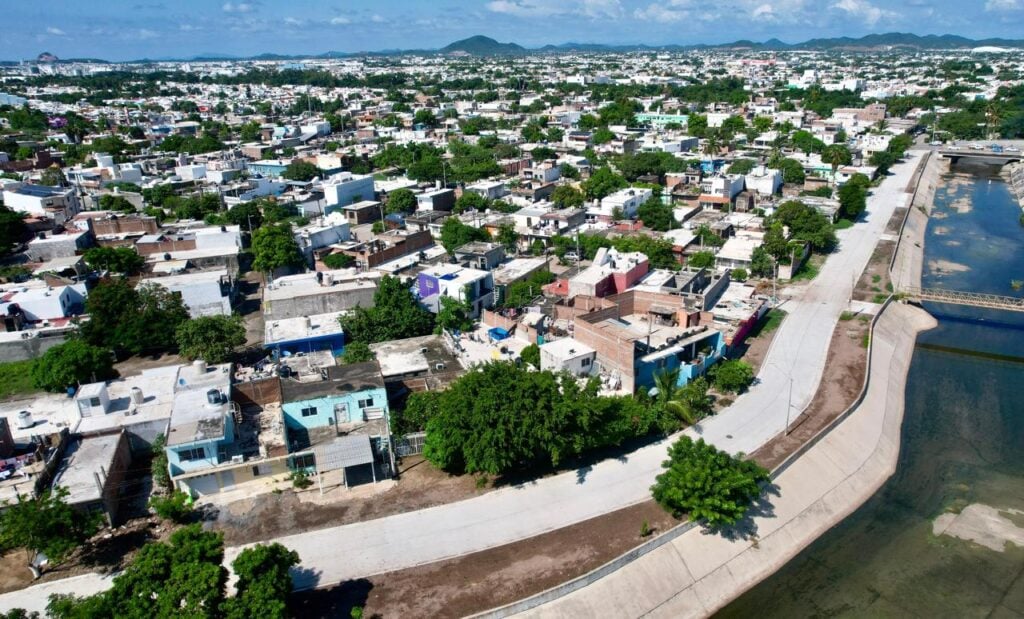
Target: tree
pixel 602 136
pixel 761 263
pixel 739 275
pixel 732 376
pixel 707 484
pixel 836 155
pixel 455 234
pixel 211 338
pixel 518 294
pixel 805 223
pixel 806 142
pixel 453 315
pixel 697 125
pixel 603 182
pixel 701 260
pixel 12 229
pixel 52 176
pixel 176 507
pixel 274 247
pixel 338 261
pixel 264 582
pixel 853 197
pixel 691 402
pixel 420 407
pixel 72 363
pixel 357 352
pixel 792 172
pixel 508 237
pixel 299 170
pixel 425 117
pixel 46 525
pixel 401 201
pixel 567 196
pixel 111 202
pixel 116 259
pixel 395 315
pixel 123 318
pixel 247 215
pixel 531 354
pixel 883 160
pixel 742 166
pixel 470 201
pixel 655 214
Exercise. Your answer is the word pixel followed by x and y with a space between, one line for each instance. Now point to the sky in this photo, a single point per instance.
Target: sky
pixel 135 29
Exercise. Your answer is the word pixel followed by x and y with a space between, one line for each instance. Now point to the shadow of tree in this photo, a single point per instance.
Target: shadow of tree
pixel 336 601
pixel 746 527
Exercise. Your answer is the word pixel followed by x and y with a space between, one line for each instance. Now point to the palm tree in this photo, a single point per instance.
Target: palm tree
pixel 711 146
pixel 992 117
pixel 834 157
pixel 690 402
pixel 666 383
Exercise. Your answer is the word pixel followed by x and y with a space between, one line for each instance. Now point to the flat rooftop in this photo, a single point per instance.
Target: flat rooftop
pixel 84 459
pixel 306 285
pixel 517 269
pixel 341 379
pixel 302 327
pixel 415 355
pixel 193 417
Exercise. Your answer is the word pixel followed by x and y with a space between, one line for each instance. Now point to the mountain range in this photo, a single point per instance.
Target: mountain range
pixel 480 45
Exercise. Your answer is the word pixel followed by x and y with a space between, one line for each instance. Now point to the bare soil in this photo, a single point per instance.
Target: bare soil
pixel 498 576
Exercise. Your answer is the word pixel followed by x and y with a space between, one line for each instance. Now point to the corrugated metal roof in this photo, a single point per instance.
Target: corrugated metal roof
pixel 343 452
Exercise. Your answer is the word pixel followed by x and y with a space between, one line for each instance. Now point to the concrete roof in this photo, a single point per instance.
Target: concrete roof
pixel 517 269
pixel 305 284
pixel 193 418
pixel 341 379
pixel 302 327
pixel 566 348
pixel 84 459
pixel 413 355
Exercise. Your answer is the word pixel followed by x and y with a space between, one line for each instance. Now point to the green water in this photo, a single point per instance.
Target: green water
pixel 962 443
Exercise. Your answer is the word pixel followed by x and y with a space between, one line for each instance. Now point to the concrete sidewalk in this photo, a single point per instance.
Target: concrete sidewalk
pixel 35 598
pixel 698 573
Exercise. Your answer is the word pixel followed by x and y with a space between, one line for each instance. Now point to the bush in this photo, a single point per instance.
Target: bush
pixel 158 468
pixel 739 275
pixel 732 376
pixel 177 507
pixel 72 363
pixel 531 355
pixel 301 481
pixel 357 352
pixel 213 338
pixel 338 261
pixel 707 484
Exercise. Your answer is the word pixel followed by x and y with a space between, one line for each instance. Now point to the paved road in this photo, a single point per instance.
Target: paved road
pixel 794 362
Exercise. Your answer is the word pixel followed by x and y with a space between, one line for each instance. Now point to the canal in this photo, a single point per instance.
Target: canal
pixel 933 542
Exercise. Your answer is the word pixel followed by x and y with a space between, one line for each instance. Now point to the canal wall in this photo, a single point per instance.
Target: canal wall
pixel 697 573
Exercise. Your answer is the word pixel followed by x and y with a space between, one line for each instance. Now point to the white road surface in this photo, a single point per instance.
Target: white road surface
pixel 794 363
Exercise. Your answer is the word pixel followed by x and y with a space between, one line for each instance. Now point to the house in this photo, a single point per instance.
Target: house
pixel 93 471
pixel 611 272
pixel 320 234
pixel 763 180
pixel 473 286
pixel 491 190
pixel 303 334
pixel 515 270
pixel 205 293
pixel 311 293
pixel 59 204
pixel 567 355
pixel 202 246
pixel 738 251
pixel 392 247
pixel 201 431
pixel 47 247
pixel 437 200
pixel 480 255
pixel 624 201
pixel 347 188
pixel 345 399
pixel 361 212
pixel 35 302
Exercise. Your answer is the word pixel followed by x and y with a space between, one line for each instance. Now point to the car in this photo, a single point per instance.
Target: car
pixel 1012 149
pixel 937 143
pixel 976 147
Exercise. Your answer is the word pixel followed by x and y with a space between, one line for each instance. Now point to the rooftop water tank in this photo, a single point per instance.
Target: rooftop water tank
pixel 25 420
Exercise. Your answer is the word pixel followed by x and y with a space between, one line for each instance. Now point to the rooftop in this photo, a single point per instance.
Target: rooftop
pixel 84 459
pixel 415 355
pixel 306 284
pixel 193 417
pixel 302 327
pixel 340 380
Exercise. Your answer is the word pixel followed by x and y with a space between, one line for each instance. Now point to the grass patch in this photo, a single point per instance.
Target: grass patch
pixel 808 270
pixel 866 340
pixel 16 378
pixel 876 278
pixel 880 298
pixel 769 323
pixel 847 315
pixel 843 224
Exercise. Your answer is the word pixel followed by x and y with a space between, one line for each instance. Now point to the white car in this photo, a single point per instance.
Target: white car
pixel 1012 149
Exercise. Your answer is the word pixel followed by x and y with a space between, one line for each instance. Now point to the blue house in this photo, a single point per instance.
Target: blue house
pixel 349 398
pixel 201 432
pixel 691 354
pixel 304 334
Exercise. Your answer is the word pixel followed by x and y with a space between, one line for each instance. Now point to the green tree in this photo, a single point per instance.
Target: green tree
pixel 761 263
pixel 707 484
pixel 455 234
pixel 602 136
pixel 53 176
pixel 739 275
pixel 299 170
pixel 732 376
pixel 531 354
pixel 518 294
pixel 116 259
pixel 338 261
pixel 853 197
pixel 655 214
pixel 401 201
pixel 603 182
pixel 247 215
pixel 742 166
pixel 470 201
pixel 72 363
pixel 691 402
pixel 357 352
pixel 112 202
pixel 395 315
pixel 274 247
pixel 792 172
pixel 264 582
pixel 701 260
pixel 12 229
pixel 122 317
pixel 46 525
pixel 805 223
pixel 697 125
pixel 211 338
pixel 508 237
pixel 453 315
pixel 158 468
pixel 420 407
pixel 176 507
pixel 883 160
pixel 567 196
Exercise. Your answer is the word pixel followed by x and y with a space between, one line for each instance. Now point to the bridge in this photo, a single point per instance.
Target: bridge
pixel 957 297
pixel 1001 158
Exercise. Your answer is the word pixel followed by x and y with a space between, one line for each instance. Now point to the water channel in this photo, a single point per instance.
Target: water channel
pixel 962 449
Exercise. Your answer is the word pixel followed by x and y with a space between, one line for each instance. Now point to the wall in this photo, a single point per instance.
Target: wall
pixel 177 466
pixel 329 300
pixel 257 392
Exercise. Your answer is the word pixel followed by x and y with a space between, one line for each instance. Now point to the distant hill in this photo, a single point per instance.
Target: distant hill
pixel 483 46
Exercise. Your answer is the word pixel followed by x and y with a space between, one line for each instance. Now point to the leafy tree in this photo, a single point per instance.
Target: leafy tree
pixel 72 363
pixel 701 260
pixel 264 582
pixel 274 247
pixel 53 176
pixel 46 525
pixel 806 142
pixel 338 261
pixel 247 215
pixel 401 201
pixel 158 468
pixel 792 172
pixel 518 294
pixel 420 407
pixel 836 155
pixel 453 315
pixel 732 376
pixel 531 354
pixel 176 507
pixel 425 117
pixel 883 160
pixel 12 229
pixel 603 182
pixel 122 317
pixel 655 214
pixel 455 234
pixel 299 170
pixel 357 352
pixel 508 237
pixel 111 202
pixel 697 125
pixel 567 196
pixel 602 136
pixel 116 259
pixel 470 201
pixel 211 338
pixel 761 263
pixel 806 223
pixel 395 315
pixel 742 166
pixel 853 197
pixel 739 275
pixel 691 402
pixel 707 484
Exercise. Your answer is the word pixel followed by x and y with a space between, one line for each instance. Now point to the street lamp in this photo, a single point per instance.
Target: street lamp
pixel 789 401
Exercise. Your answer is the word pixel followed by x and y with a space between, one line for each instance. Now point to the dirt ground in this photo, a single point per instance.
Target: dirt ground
pixel 268 516
pixel 874 284
pixel 498 576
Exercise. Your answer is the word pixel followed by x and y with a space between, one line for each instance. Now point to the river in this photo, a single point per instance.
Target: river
pixel 962 448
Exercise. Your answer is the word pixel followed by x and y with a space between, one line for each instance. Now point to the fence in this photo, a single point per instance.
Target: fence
pixel 410 444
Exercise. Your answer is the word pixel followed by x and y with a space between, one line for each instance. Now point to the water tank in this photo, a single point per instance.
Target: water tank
pixel 25 420
pixel 213 397
pixel 137 397
pixel 199 366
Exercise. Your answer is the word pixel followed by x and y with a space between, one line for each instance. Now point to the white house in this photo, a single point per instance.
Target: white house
pixel 346 188
pixel 763 180
pixel 57 203
pixel 569 355
pixel 626 200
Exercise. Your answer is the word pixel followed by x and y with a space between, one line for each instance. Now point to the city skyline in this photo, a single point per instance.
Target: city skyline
pixel 130 29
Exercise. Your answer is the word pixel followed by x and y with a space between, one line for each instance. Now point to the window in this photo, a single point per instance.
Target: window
pixel 309 412
pixel 261 469
pixel 586 362
pixel 305 461
pixel 188 455
pixel 367 403
pixel 94 402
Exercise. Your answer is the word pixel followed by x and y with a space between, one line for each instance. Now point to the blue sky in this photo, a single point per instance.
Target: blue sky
pixel 132 29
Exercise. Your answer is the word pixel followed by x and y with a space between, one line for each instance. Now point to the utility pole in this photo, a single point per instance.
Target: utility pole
pixel 789 405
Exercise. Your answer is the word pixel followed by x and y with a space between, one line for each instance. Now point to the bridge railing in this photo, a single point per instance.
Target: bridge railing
pixel 959 297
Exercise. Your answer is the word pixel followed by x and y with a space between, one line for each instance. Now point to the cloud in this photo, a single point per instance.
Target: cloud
pixel 340 20
pixel 1003 5
pixel 239 7
pixel 377 19
pixel 592 9
pixel 57 32
pixel 294 21
pixel 672 11
pixel 863 10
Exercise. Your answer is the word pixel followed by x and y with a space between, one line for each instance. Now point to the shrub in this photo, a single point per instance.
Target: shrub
pixel 176 507
pixel 732 376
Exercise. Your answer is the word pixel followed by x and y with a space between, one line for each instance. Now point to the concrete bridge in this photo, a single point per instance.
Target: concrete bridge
pixel 1002 158
pixel 957 297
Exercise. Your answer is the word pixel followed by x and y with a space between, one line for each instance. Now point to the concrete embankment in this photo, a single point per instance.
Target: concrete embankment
pixel 908 261
pixel 697 573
